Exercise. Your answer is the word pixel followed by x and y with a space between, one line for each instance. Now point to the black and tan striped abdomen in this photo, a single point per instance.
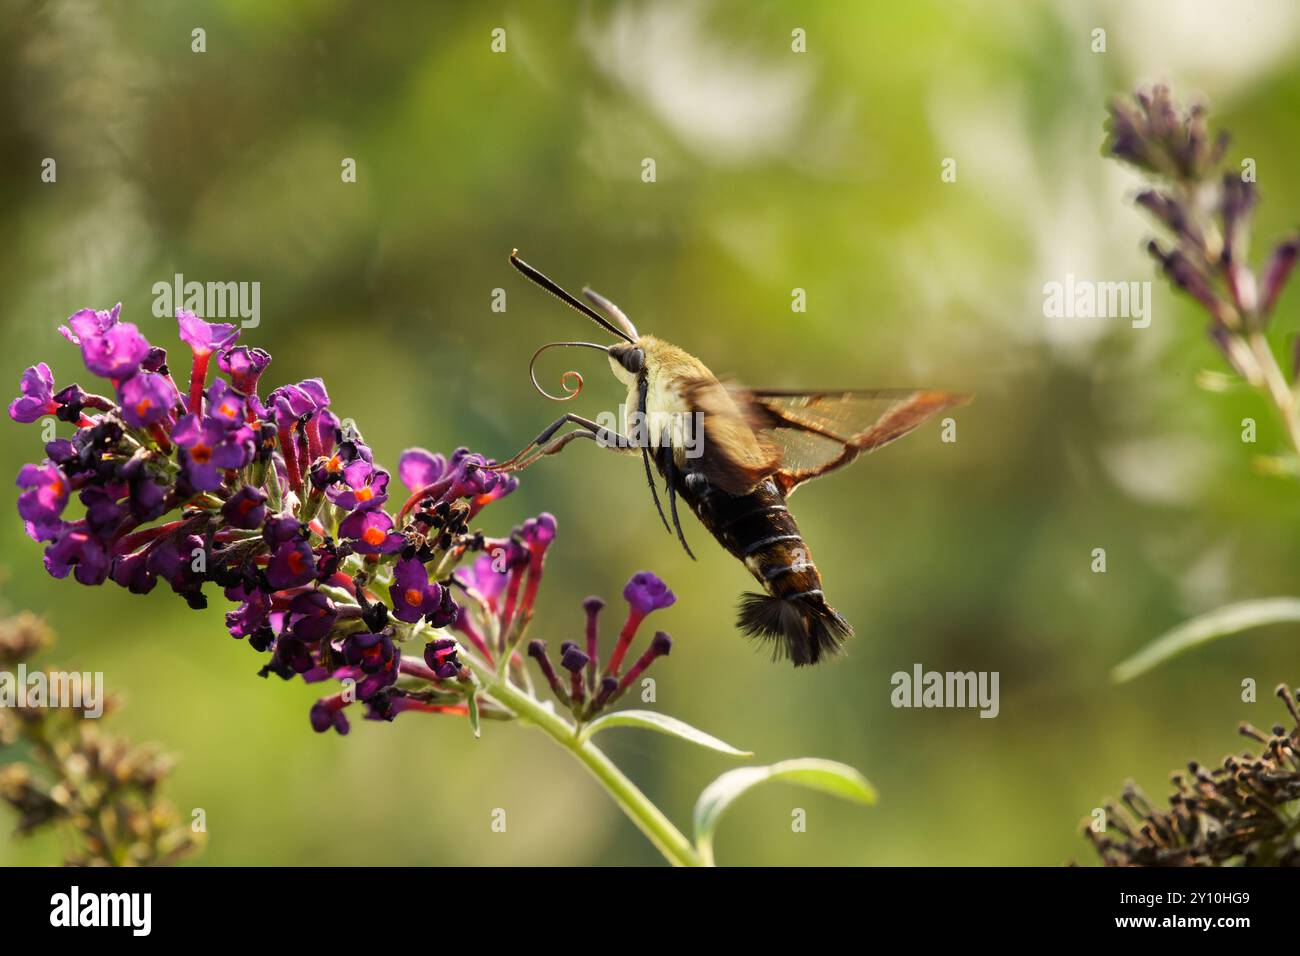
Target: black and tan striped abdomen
pixel 758 529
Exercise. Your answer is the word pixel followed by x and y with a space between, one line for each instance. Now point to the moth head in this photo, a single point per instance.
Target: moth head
pixel 627 361
pixel 626 358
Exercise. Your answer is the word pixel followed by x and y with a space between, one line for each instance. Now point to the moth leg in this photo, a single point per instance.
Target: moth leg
pixel 642 393
pixel 544 445
pixel 671 471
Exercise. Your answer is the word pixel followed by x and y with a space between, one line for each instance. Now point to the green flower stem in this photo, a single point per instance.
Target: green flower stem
pixel 649 819
pixel 1274 382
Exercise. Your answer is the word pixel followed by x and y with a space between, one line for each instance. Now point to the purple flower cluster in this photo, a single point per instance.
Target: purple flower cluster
pixel 272 500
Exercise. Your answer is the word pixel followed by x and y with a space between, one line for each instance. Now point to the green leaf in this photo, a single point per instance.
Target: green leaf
pixel 828 776
pixel 649 720
pixel 1229 619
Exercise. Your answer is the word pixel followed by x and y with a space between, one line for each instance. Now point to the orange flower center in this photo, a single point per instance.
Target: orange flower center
pixel 414 596
pixel 373 537
pixel 364 494
pixel 201 453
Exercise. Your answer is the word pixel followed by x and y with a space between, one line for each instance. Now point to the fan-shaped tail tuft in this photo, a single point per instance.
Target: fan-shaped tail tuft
pixel 804 630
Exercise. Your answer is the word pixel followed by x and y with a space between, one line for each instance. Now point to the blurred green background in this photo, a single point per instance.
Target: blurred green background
pixel 775 170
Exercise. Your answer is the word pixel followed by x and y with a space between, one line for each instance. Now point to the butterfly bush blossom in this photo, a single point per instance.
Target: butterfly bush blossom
pixel 335 573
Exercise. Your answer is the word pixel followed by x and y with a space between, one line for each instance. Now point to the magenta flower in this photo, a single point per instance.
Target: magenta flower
pixel 311 616
pixel 88 322
pixel 419 468
pixel 173 560
pixel 146 398
pixel 80 550
pixel 413 594
pixel 292 402
pixel 246 508
pixel 327 713
pixel 440 655
pixel 645 592
pixel 116 352
pixel 244 366
pixel 210 448
pixel 251 616
pixel 371 532
pixel 37 398
pixel 362 486
pixel 225 404
pixel 42 502
pixel 293 564
pixel 483 579
pixel 202 337
pixel 131 571
pixel 373 653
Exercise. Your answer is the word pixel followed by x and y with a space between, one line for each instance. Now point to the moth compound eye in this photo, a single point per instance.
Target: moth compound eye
pixel 633 360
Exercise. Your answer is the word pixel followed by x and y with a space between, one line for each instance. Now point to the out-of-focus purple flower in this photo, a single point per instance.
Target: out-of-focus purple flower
pixel 371 532
pixel 103 513
pixel 311 616
pixel 413 594
pixel 210 448
pixel 43 499
pixel 131 571
pixel 252 614
pixel 373 653
pixel 202 337
pixel 283 528
pixel 441 657
pixel 244 366
pixel 448 610
pixel 645 592
pixel 538 533
pixel 173 559
pixel 225 404
pixel 292 564
pixel 78 549
pixel 116 352
pixel 146 398
pixel 147 499
pixel 246 508
pixel 37 398
pixel 362 487
pixel 327 713
pixel 419 468
pixel 483 578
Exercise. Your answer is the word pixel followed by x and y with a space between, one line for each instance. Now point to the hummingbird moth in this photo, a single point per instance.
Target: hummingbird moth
pixel 734 455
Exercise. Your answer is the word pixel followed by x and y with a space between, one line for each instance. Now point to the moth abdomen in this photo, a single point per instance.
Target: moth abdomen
pixel 759 529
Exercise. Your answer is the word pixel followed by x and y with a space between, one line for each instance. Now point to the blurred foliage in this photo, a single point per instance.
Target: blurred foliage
pixel 63 776
pixel 775 171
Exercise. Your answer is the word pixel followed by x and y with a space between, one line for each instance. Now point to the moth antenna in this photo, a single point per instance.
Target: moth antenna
pixel 555 290
pixel 570 391
pixel 602 303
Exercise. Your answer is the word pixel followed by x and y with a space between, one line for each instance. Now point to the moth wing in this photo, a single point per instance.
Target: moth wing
pixel 818 432
pixel 737 455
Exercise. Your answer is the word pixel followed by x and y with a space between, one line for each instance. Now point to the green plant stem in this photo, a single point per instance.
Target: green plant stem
pixel 649 819
pixel 1276 385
